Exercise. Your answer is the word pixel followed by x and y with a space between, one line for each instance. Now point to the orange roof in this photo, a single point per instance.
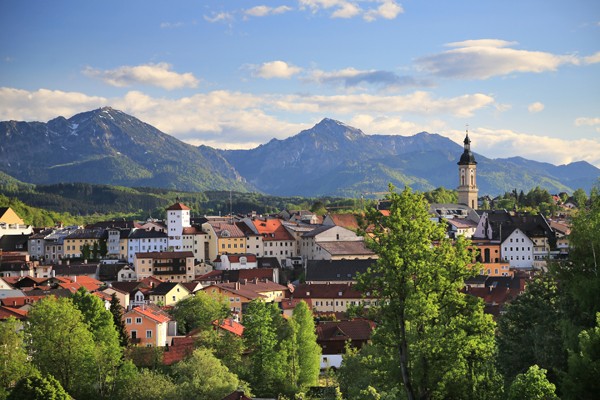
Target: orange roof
pixel 154 314
pixel 347 221
pixel 7 312
pixel 178 206
pixel 272 229
pixel 230 326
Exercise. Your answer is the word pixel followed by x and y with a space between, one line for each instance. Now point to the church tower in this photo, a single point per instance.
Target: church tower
pixel 467 175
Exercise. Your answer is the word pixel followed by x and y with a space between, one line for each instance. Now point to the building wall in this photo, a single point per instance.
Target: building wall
pixel 158 330
pixel 517 249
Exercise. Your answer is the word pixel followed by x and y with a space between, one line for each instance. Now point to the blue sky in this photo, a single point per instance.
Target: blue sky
pixel 524 75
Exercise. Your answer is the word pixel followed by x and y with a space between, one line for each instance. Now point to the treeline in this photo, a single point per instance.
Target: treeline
pixel 75 347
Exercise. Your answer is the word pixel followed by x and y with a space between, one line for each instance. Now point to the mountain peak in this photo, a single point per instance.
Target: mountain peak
pixel 332 127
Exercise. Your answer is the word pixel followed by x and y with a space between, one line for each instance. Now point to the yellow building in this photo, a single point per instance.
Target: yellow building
pixel 175 266
pixel 168 293
pixel 8 216
pixel 74 243
pixel 224 238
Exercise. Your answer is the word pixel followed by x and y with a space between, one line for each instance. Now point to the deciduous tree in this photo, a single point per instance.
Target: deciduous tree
pixel 440 337
pixel 532 385
pixel 15 363
pixel 199 311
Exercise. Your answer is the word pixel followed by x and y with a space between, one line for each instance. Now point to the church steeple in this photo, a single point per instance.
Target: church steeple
pixel 467 174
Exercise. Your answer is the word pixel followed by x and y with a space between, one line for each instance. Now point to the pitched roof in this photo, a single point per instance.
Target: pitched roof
pixel 154 313
pixel 181 347
pixel 356 329
pixel 226 230
pixel 343 248
pixel 178 206
pixel 316 231
pixel 347 221
pixel 129 287
pixel 272 229
pixel 96 233
pixel 230 325
pixel 7 312
pixel 147 234
pixel 164 288
pixel 75 269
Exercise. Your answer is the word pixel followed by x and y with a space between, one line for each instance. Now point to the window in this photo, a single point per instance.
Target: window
pixel 138 320
pixel 149 334
pixel 128 321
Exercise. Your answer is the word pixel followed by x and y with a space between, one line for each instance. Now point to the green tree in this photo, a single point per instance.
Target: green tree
pixel 117 314
pixel 38 387
pixel 61 344
pixel 86 251
pixel 440 337
pixel 580 197
pixel 145 385
pixel 15 363
pixel 267 365
pixel 530 331
pixel 95 251
pixel 532 385
pixel 199 311
pixel 306 343
pixel 103 249
pixel 203 376
pixel 442 196
pixel 581 382
pixel 107 351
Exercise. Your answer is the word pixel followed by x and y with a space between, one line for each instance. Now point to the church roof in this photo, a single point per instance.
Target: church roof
pixel 467 156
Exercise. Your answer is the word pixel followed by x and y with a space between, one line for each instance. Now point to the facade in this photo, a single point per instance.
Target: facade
pixel 467 176
pixel 147 326
pixel 76 240
pixel 168 293
pixel 178 217
pixel 333 243
pixel 143 241
pixel 517 249
pixel 276 240
pixel 196 241
pixel 332 298
pixel 224 238
pixel 176 266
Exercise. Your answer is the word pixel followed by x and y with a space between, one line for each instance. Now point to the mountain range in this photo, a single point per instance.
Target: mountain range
pixel 107 146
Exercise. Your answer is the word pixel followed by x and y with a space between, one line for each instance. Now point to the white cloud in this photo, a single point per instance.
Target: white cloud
pixel 593 59
pixel 275 69
pixel 159 75
pixel 387 10
pixel 535 107
pixel 242 120
pixel 346 10
pixel 583 121
pixel 263 11
pixel 485 58
pixel 218 17
pixel 503 143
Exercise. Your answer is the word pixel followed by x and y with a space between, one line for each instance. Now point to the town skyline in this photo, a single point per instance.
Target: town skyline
pixel 522 76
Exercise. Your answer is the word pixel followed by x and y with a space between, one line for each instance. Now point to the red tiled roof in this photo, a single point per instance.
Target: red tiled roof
pixel 230 326
pixel 178 206
pixel 272 230
pixel 20 301
pixel 347 221
pixel 154 314
pixel 180 348
pixel 356 329
pixel 7 312
pixel 192 230
pixel 290 304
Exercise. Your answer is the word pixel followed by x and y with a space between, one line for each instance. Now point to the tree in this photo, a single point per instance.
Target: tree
pixel 144 385
pixel 107 351
pixel 580 197
pixel 86 251
pixel 117 313
pixel 15 363
pixel 440 337
pixel 95 251
pixel 530 331
pixel 581 381
pixel 61 344
pixel 306 343
pixel 203 376
pixel 38 387
pixel 267 364
pixel 532 385
pixel 199 311
pixel 103 250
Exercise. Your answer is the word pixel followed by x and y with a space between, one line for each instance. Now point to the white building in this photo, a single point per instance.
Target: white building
pixel 142 241
pixel 178 217
pixel 517 249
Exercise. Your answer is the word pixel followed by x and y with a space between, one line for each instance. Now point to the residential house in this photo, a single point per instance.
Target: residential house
pixel 334 336
pixel 235 261
pixel 276 240
pixel 168 293
pixel 196 241
pixel 333 243
pixel 333 297
pixel 147 326
pixel 143 241
pixel 177 266
pixel 224 238
pixel 12 224
pixel 74 243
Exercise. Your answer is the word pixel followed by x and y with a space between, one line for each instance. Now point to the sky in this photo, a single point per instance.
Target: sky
pixel 522 76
